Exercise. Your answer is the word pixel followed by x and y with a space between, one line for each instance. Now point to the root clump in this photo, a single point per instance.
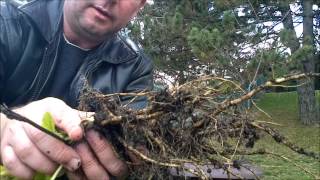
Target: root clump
pixel 199 123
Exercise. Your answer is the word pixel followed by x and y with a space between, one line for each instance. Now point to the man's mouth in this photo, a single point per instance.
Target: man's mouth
pixel 103 12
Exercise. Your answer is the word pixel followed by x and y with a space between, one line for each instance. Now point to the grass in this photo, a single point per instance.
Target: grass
pixel 283 109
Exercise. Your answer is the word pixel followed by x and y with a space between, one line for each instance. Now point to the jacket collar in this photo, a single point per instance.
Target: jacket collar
pixel 116 50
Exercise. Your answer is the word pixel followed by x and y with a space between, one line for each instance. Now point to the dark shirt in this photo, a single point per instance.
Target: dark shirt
pixel 69 61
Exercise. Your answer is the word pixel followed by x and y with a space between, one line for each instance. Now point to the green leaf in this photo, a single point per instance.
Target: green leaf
pixel 40 176
pixel 4 174
pixel 48 122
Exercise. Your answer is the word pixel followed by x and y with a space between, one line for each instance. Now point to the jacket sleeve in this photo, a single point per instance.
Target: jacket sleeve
pixel 3 35
pixel 11 45
pixel 142 80
pixel 1 72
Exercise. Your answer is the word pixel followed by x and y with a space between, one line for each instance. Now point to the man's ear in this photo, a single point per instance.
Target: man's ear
pixel 142 3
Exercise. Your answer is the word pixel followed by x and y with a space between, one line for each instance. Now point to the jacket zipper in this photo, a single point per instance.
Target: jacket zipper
pixel 44 66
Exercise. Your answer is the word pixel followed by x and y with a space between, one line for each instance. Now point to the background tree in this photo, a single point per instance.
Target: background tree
pixel 248 41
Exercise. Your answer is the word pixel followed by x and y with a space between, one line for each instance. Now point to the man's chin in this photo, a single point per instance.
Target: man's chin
pixel 96 28
pixel 99 34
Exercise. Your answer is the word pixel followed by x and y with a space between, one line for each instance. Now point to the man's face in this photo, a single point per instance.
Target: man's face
pixel 100 18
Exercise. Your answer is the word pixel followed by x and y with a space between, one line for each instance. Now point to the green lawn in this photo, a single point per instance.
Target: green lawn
pixel 283 109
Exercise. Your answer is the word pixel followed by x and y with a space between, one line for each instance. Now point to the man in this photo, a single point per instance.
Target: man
pixel 49 49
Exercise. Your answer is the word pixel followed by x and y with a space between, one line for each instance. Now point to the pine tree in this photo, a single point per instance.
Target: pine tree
pixel 234 38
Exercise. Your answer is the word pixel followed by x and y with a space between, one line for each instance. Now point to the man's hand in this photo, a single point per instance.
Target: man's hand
pixel 26 150
pixel 98 159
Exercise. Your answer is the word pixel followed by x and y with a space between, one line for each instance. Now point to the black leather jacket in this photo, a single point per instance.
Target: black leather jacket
pixel 29 41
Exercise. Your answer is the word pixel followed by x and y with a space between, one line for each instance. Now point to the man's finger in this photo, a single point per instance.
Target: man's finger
pixel 56 150
pixel 14 165
pixel 90 165
pixel 28 153
pixel 104 151
pixel 65 117
pixel 69 121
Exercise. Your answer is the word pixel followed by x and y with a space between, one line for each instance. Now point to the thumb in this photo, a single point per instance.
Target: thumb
pixel 70 122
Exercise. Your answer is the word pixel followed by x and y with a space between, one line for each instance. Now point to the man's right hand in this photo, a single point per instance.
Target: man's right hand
pixel 26 150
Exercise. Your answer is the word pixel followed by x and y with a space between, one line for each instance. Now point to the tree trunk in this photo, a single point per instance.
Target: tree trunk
pixel 308 110
pixel 317 80
pixel 288 24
